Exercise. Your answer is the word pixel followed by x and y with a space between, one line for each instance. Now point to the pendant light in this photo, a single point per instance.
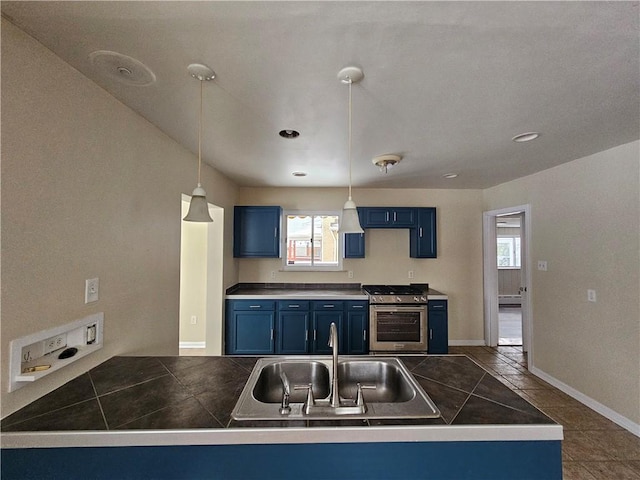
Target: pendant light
pixel 350 222
pixel 199 207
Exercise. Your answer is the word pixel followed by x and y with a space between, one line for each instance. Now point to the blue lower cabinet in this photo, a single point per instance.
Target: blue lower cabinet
pixel 357 327
pixel 438 326
pixel 295 327
pixel 252 333
pixel 292 332
pixel 323 314
pixel 250 327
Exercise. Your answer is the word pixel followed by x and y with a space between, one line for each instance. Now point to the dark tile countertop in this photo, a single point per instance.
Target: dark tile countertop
pixel 151 393
pixel 308 291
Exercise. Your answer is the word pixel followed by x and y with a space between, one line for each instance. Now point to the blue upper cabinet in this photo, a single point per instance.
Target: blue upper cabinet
pixel 256 231
pixel 387 217
pixel 354 245
pixel 423 238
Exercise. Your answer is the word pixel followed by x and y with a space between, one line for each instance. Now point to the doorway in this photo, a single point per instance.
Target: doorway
pixel 507 308
pixel 510 281
pixel 201 284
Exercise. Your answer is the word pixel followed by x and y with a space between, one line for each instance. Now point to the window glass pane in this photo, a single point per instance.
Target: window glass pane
pixel 508 252
pixel 299 239
pixel 313 240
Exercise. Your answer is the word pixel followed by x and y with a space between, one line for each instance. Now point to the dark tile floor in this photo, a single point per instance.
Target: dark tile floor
pixel 594 448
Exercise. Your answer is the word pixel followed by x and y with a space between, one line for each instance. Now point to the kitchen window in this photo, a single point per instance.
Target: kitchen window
pixel 312 241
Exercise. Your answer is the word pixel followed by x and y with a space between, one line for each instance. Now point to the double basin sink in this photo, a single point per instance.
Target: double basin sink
pixel 375 387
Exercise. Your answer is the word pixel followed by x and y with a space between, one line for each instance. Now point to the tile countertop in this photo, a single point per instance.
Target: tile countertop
pixel 319 291
pixel 129 401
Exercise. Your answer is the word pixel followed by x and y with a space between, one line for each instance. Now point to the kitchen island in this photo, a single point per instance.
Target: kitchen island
pixel 169 417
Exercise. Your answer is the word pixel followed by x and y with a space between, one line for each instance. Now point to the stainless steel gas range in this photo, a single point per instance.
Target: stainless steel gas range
pixel 397 318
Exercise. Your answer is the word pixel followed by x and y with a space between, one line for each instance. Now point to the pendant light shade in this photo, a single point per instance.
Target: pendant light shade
pixel 350 222
pixel 199 207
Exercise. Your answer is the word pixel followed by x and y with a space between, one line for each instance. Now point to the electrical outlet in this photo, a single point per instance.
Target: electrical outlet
pixel 91 287
pixel 273 274
pixel 55 343
pixel 350 274
pixel 591 295
pixel 542 265
pixel 194 319
pixel 410 273
pixel 92 333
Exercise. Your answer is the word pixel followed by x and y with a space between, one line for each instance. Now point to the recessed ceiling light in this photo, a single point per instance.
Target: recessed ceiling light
pixel 299 174
pixel 450 175
pixel 525 137
pixel 288 133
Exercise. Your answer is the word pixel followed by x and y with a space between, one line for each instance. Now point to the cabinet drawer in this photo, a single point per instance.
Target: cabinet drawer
pixel 357 306
pixel 328 306
pixel 253 305
pixel 293 305
pixel 437 304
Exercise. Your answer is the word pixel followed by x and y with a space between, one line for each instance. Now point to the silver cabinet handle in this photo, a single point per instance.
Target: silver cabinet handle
pixel 358 306
pixel 306 335
pixel 293 306
pixel 328 306
pixel 275 232
pixel 420 232
pixel 254 306
pixel 386 216
pixel 314 335
pixel 364 335
pixel 272 334
pixel 430 334
pixel 395 216
pixel 437 306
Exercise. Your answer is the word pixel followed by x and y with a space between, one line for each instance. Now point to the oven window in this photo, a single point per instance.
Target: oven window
pixel 398 326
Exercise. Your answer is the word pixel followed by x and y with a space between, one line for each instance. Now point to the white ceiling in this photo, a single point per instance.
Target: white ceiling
pixel 447 84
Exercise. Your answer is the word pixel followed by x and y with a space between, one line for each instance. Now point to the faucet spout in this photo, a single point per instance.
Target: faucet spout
pixel 334 399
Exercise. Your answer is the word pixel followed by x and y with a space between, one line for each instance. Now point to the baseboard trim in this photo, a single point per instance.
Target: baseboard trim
pixel 192 344
pixel 467 343
pixel 603 410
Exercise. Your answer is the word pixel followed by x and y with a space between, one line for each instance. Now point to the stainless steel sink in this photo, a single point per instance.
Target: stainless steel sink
pixel 388 390
pixel 268 385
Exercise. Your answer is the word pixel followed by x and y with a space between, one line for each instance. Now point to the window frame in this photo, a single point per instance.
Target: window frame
pixel 311 268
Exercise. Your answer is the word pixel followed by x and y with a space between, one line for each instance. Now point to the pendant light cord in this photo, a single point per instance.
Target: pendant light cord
pixel 350 83
pixel 200 135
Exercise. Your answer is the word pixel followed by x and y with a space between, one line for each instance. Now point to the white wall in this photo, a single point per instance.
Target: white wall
pixel 586 225
pixel 457 271
pixel 89 189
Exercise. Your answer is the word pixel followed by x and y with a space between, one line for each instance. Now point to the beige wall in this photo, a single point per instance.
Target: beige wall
pixel 457 271
pixel 585 224
pixel 89 189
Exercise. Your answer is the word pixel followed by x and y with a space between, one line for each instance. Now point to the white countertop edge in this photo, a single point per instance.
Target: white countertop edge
pixel 247 436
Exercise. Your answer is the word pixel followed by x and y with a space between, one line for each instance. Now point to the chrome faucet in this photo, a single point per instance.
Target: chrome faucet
pixel 334 399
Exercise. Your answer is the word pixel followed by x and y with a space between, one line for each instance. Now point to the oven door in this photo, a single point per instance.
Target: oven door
pixel 398 328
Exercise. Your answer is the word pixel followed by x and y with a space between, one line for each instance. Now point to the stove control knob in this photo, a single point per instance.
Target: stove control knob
pixel 416 299
pixel 398 299
pixel 423 299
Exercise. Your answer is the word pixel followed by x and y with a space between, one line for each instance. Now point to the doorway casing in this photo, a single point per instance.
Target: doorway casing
pixel 490 276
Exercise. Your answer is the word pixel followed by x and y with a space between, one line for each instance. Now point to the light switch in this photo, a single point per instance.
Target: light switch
pixel 591 295
pixel 542 265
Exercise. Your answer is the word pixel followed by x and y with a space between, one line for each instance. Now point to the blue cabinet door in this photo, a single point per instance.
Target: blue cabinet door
pixel 423 238
pixel 354 245
pixel 438 342
pixel 256 231
pixel 388 217
pixel 323 314
pixel 292 333
pixel 357 327
pixel 251 333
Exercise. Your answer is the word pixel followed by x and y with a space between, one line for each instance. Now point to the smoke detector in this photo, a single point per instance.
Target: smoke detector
pixel 384 162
